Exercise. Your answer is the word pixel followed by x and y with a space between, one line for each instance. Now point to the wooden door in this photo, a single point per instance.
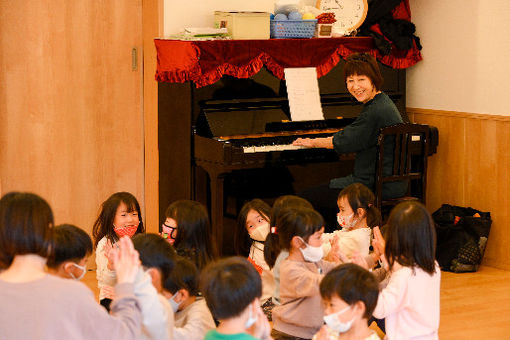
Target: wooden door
pixel 71 102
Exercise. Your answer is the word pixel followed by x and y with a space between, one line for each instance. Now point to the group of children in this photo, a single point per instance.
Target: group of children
pixel 308 283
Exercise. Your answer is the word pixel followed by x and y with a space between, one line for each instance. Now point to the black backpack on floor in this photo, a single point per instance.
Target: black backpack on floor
pixel 462 235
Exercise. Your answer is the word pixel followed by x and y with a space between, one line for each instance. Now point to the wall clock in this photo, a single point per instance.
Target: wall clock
pixel 349 14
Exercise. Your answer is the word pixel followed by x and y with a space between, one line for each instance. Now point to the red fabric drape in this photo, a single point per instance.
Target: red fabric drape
pixel 205 62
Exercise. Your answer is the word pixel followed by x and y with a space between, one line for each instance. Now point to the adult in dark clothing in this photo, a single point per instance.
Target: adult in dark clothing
pixel 363 79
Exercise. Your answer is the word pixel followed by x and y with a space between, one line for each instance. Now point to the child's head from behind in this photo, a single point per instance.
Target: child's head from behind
pixel 120 215
pixel 157 257
pixel 182 283
pixel 229 286
pixel 349 293
pixel 72 248
pixel 301 228
pixel 410 237
pixel 356 202
pixel 26 222
pixel 252 224
pixel 287 202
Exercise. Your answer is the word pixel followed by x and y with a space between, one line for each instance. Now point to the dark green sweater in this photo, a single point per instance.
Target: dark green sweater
pixel 361 137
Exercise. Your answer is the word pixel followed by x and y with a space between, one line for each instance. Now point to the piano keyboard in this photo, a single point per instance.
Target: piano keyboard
pixel 271 148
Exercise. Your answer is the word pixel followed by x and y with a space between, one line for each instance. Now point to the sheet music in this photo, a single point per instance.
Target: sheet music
pixel 303 94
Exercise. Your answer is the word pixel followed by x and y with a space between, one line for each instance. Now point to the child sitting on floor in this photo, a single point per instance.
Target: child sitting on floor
pixel 73 247
pixel 357 216
pixel 192 317
pixel 349 293
pixel 232 289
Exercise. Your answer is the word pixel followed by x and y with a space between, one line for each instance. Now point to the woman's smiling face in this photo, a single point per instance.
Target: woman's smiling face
pixel 360 87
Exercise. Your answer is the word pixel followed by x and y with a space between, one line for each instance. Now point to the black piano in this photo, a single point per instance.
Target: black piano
pixel 231 141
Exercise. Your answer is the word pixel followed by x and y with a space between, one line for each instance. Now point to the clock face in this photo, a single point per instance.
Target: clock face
pixel 349 14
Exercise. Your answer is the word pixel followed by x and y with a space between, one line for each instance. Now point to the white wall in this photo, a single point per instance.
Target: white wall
pixel 466 56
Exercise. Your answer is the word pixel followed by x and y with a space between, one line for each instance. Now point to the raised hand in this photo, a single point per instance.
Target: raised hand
pixel 379 245
pixel 261 329
pixel 126 260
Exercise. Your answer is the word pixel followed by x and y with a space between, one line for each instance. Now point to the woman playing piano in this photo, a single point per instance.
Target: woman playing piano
pixel 363 80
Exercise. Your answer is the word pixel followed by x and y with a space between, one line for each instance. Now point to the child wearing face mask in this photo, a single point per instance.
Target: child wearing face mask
pixel 73 247
pixel 300 314
pixel 252 230
pixel 357 216
pixel 232 290
pixel 158 261
pixel 192 317
pixel 349 293
pixel 120 215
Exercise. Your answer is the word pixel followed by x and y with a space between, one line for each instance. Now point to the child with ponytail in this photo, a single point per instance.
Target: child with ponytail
pixel 357 216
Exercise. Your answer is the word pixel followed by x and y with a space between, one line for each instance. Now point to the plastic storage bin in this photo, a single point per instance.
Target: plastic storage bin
pixel 293 28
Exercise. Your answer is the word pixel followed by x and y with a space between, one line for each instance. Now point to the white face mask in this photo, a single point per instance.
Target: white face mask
pixel 260 233
pixel 335 324
pixel 175 305
pixel 346 222
pixel 310 253
pixel 83 268
pixel 251 319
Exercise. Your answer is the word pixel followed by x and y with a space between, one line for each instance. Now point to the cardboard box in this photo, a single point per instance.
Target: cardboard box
pixel 244 25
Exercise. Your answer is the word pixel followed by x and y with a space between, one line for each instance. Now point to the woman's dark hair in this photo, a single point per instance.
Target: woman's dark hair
pixel 183 276
pixel 26 226
pixel 302 222
pixel 229 286
pixel 103 226
pixel 272 244
pixel 410 237
pixel 155 252
pixel 351 283
pixel 242 241
pixel 195 239
pixel 70 244
pixel 363 64
pixel 360 196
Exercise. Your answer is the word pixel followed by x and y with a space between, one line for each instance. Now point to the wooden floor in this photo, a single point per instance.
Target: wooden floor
pixel 473 305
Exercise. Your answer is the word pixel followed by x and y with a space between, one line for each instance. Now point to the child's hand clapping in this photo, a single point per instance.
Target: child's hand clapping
pixel 379 244
pixel 261 329
pixel 125 260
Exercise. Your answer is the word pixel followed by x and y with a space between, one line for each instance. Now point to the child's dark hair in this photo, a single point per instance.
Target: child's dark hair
pixel 229 286
pixel 194 237
pixel 360 196
pixel 242 241
pixel 183 276
pixel 351 283
pixel 155 252
pixel 103 226
pixel 302 222
pixel 26 222
pixel 410 237
pixel 272 244
pixel 70 244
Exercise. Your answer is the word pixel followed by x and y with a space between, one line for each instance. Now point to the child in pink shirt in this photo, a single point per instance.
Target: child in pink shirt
pixel 410 301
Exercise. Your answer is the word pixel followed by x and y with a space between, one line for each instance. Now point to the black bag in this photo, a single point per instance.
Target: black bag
pixel 462 235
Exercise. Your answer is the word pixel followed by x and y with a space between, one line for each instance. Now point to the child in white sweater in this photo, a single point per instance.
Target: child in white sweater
pixel 192 317
pixel 357 216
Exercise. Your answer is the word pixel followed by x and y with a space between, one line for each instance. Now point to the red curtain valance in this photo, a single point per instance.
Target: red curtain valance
pixel 205 62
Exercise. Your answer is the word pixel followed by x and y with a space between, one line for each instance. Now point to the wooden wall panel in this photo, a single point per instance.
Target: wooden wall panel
pixel 471 169
pixel 70 104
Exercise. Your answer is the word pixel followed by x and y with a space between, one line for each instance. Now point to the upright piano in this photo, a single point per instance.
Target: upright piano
pixel 230 141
